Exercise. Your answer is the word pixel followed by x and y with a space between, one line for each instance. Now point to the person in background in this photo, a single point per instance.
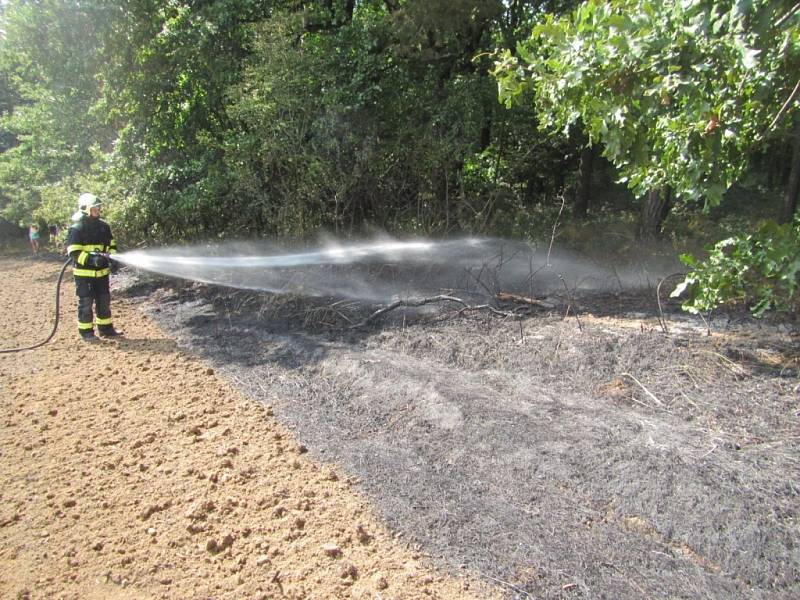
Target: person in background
pixel 33 236
pixel 89 244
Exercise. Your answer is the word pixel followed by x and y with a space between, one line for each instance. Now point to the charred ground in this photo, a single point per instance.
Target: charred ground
pixel 596 449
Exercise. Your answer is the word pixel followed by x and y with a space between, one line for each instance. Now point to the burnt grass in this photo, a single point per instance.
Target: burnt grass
pixel 584 450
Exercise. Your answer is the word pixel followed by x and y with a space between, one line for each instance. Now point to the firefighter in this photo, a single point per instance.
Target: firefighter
pixel 89 244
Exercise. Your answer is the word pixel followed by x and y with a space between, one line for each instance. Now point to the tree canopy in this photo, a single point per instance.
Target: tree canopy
pixel 677 93
pixel 236 117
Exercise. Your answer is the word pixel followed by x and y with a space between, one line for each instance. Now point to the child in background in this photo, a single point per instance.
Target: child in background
pixel 33 235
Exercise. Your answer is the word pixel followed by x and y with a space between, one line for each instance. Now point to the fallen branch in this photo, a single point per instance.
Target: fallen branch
pixel 509 297
pixel 783 20
pixel 423 301
pixel 489 308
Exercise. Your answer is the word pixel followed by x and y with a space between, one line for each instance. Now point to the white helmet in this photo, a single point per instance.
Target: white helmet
pixel 86 201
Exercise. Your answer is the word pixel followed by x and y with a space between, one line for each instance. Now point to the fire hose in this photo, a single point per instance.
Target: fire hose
pixel 58 304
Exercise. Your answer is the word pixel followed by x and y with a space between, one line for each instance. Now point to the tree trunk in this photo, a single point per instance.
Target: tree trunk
pixel 585 172
pixel 485 135
pixel 793 187
pixel 654 210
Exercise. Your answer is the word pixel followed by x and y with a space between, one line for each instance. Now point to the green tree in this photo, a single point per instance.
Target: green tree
pixel 168 67
pixel 49 60
pixel 677 93
pixel 369 118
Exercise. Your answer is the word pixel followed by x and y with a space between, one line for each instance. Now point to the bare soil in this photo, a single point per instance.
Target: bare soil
pixel 134 469
pixel 595 449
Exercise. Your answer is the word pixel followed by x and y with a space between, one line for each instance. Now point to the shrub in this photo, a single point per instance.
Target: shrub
pixel 760 270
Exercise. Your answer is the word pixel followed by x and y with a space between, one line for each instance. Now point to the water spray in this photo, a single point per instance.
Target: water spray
pixel 379 270
pixel 368 270
pixel 384 270
pixel 159 260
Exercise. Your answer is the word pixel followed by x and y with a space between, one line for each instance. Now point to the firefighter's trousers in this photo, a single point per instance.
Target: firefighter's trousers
pixel 93 292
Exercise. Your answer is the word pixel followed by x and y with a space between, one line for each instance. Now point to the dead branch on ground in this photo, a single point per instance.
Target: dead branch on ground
pixel 414 303
pixel 509 297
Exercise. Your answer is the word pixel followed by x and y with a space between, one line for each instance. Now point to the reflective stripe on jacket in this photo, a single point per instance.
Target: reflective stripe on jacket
pixel 85 236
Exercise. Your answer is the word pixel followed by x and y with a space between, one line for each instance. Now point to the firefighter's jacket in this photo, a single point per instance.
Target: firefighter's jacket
pixel 85 236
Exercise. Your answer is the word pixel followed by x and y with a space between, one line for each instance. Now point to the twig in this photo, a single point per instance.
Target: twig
pixel 736 368
pixel 555 227
pixel 640 403
pixel 627 579
pixel 343 316
pixel 506 584
pixel 479 281
pixel 661 319
pixel 410 303
pixel 707 321
pixel 780 22
pixel 555 351
pixel 488 308
pixel 792 97
pixel 713 447
pixel 569 305
pixel 646 391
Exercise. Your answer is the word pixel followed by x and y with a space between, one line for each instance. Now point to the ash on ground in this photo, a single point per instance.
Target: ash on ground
pixel 599 448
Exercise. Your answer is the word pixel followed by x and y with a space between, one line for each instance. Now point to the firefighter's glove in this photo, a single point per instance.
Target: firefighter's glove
pixel 114 265
pixel 96 260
